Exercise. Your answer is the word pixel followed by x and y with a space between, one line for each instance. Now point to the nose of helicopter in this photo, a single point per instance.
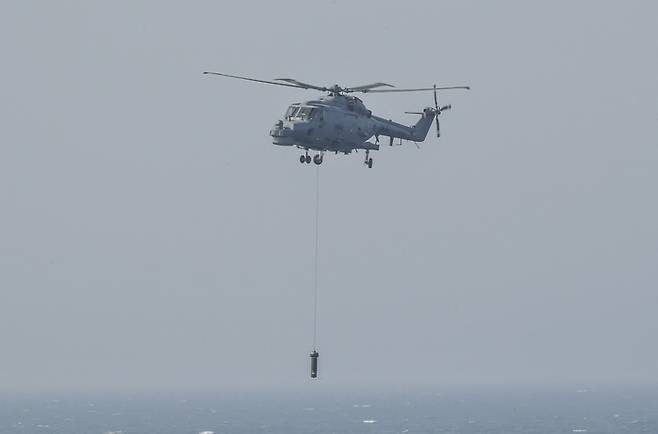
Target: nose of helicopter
pixel 279 130
pixel 282 134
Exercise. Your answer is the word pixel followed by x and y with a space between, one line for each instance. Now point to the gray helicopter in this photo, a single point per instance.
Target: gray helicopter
pixel 338 122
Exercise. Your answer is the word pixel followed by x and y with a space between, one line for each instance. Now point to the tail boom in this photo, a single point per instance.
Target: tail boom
pixel 415 133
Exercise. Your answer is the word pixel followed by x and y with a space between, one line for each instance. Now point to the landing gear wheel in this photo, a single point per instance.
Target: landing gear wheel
pixel 317 159
pixel 307 159
pixel 302 159
pixel 368 160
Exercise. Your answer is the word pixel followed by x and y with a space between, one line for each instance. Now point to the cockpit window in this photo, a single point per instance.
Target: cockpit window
pixel 302 113
pixel 306 113
pixel 292 111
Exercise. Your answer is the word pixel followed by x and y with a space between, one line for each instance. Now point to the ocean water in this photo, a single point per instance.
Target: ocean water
pixel 315 410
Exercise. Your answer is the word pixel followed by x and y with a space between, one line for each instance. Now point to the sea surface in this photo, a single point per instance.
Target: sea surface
pixel 316 410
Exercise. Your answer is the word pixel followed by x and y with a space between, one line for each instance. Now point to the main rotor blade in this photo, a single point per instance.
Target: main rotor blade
pixel 300 84
pixel 253 79
pixel 416 90
pixel 367 87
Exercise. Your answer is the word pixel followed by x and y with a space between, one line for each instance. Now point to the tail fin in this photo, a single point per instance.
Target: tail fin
pixel 423 125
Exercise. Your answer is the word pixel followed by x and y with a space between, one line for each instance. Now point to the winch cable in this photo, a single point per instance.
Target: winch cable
pixel 315 267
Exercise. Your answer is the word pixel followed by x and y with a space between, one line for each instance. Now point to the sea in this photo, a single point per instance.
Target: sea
pixel 338 410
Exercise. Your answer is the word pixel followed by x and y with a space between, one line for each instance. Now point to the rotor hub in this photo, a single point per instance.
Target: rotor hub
pixel 336 90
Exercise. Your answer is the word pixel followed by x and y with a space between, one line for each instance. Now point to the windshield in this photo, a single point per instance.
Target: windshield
pixel 292 110
pixel 302 113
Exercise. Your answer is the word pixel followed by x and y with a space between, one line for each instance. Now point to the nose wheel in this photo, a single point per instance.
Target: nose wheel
pixel 305 158
pixel 317 158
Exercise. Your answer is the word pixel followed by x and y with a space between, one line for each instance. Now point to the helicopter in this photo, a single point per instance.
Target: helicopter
pixel 339 122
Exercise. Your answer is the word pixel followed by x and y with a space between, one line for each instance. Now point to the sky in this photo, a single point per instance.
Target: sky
pixel 151 236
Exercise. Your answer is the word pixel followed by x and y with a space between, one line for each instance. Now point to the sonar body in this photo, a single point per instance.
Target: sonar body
pixel 314 364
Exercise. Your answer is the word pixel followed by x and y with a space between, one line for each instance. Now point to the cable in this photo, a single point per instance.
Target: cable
pixel 317 245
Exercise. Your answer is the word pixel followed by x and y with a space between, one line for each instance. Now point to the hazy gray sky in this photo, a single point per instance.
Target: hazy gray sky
pixel 152 236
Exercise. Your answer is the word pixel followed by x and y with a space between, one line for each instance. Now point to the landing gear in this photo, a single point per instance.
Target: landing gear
pixel 317 158
pixel 368 161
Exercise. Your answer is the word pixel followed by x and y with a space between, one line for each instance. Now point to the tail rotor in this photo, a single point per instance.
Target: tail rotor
pixel 438 111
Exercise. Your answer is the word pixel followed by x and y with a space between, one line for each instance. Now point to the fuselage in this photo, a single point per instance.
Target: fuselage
pixel 340 123
pixel 332 123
